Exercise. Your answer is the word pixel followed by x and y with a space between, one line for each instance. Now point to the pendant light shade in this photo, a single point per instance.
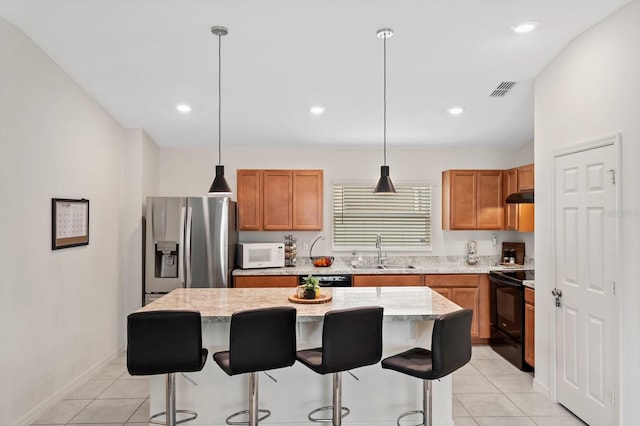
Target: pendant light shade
pixel 384 186
pixel 219 186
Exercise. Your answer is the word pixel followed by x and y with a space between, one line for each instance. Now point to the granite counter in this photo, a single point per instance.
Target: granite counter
pixel 217 304
pixel 341 268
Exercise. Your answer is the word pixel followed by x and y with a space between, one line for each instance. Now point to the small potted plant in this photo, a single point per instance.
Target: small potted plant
pixel 311 287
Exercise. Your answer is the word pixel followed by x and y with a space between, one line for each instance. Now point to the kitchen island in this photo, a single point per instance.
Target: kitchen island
pixel 377 398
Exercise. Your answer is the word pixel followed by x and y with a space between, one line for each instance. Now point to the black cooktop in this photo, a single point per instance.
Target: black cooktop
pixel 515 276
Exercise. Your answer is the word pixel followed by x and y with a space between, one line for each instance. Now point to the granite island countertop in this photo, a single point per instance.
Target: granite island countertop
pixel 218 304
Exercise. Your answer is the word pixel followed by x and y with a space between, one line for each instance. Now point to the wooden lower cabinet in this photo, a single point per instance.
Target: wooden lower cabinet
pixel 381 280
pixel 469 291
pixel 529 327
pixel 265 281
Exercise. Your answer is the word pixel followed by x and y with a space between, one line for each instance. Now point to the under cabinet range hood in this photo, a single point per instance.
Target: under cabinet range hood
pixel 524 197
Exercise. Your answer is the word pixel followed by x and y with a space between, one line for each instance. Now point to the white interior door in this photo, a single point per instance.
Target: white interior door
pixel 586 252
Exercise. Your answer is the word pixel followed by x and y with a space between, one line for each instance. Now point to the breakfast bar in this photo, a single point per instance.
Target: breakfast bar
pixel 376 397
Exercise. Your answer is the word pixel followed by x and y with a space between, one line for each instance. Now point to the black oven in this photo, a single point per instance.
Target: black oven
pixel 507 314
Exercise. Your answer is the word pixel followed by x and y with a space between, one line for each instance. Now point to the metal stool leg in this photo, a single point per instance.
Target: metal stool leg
pixel 170 406
pixel 253 411
pixel 427 416
pixel 338 411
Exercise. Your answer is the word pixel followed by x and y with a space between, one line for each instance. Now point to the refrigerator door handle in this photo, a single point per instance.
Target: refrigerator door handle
pixel 181 248
pixel 187 249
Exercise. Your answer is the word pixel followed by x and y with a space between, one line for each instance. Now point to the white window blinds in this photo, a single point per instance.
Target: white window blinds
pixel 402 219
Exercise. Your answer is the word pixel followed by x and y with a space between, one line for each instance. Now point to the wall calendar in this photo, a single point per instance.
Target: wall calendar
pixel 69 223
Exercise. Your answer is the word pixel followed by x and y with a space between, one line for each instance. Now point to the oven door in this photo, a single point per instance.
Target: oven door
pixel 507 308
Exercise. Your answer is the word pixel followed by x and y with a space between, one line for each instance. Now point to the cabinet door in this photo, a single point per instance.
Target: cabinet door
pixel 510 185
pixel 489 213
pixel 462 199
pixel 446 292
pixel 265 281
pixel 387 280
pixel 249 200
pixel 529 334
pixel 525 178
pixel 468 299
pixel 307 199
pixel 277 190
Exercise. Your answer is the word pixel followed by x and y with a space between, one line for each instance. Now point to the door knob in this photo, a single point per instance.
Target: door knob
pixel 557 293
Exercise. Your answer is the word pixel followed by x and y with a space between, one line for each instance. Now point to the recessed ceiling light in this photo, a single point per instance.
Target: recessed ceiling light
pixel 455 110
pixel 183 108
pixel 524 27
pixel 317 109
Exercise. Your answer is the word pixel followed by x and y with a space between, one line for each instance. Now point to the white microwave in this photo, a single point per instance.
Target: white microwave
pixel 260 255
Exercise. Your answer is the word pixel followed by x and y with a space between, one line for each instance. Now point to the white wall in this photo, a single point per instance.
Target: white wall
pixel 59 310
pixel 141 178
pixel 589 91
pixel 190 171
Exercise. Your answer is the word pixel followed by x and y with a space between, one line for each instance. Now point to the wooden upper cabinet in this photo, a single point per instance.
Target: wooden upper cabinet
pixel 519 217
pixel 277 196
pixel 459 199
pixel 307 199
pixel 472 199
pixel 489 211
pixel 249 200
pixel 278 200
pixel 509 186
pixel 525 178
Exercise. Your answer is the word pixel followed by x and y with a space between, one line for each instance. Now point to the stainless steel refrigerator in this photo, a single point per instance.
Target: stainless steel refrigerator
pixel 190 242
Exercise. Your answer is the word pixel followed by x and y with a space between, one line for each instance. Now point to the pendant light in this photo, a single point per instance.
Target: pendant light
pixel 385 186
pixel 219 185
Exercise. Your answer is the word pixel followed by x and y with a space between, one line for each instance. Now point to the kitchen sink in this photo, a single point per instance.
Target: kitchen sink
pixel 388 267
pixel 398 267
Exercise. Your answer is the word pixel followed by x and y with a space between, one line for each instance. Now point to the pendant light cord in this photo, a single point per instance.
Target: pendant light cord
pixel 219 99
pixel 384 97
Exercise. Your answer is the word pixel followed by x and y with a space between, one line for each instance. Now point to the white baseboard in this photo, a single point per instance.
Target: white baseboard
pixel 540 388
pixel 55 398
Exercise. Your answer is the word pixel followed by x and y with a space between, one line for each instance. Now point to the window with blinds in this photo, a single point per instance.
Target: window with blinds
pixel 402 219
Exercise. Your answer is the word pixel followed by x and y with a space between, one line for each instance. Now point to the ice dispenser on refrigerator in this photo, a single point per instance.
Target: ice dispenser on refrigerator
pixel 166 259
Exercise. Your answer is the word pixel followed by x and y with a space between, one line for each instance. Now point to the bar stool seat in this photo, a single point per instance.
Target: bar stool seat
pixel 260 340
pixel 351 338
pixel 450 350
pixel 165 342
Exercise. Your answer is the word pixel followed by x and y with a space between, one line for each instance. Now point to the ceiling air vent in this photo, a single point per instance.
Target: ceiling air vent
pixel 502 89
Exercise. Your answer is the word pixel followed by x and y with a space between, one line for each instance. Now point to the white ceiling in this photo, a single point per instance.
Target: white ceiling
pixel 139 58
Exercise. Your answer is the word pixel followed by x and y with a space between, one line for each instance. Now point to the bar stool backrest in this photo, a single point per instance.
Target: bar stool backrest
pixel 451 342
pixel 162 342
pixel 351 338
pixel 262 339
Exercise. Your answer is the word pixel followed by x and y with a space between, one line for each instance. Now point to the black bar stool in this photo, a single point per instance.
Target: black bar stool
pixel 351 338
pixel 165 342
pixel 260 340
pixel 450 350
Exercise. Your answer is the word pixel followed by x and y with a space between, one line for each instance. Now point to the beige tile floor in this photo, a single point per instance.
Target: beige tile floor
pixel 486 392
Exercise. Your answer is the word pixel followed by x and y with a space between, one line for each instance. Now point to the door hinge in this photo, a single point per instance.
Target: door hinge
pixel 613 176
pixel 614 287
pixel 613 398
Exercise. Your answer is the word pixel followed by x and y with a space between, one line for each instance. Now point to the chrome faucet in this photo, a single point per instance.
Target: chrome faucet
pixel 381 257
